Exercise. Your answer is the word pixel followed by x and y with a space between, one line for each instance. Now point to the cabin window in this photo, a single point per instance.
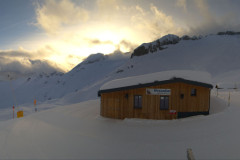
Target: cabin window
pixel 182 96
pixel 126 96
pixel 137 101
pixel 193 92
pixel 164 102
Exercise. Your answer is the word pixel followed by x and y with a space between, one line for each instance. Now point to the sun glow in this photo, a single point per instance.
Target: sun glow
pixel 109 36
pixel 73 44
pixel 104 48
pixel 108 39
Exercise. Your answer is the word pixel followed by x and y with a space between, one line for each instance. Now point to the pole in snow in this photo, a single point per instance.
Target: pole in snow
pixel 13 111
pixel 229 99
pixel 35 103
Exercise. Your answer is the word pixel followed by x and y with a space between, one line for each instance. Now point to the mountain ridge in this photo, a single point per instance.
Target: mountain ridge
pixel 162 42
pixel 216 54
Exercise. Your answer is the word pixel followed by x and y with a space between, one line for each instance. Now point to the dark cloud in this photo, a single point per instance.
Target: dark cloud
pixel 212 23
pixel 18 63
pixel 98 42
pixel 123 43
pixel 27 66
pixel 213 27
pixel 12 53
pixel 128 45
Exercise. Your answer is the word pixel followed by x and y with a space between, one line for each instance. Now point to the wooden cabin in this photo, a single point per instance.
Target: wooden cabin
pixel 166 98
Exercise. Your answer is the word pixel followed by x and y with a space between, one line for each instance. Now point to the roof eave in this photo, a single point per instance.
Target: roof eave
pixel 175 80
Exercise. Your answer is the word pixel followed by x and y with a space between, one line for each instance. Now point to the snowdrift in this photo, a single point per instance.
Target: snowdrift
pixel 78 132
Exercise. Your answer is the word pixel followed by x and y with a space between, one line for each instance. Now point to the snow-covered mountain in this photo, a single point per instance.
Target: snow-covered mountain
pixel 216 54
pixel 45 87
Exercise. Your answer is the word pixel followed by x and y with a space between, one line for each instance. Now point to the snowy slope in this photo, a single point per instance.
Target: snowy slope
pixel 78 132
pixel 66 129
pixel 214 54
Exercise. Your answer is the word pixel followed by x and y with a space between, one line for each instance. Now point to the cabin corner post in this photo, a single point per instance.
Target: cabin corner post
pixel 209 105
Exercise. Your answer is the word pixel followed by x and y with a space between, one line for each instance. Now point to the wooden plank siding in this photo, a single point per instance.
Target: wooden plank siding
pixel 119 104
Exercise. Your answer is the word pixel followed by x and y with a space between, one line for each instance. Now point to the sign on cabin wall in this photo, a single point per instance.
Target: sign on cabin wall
pixel 152 91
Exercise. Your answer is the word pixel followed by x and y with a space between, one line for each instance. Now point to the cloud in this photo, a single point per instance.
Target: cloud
pixel 126 45
pixel 27 66
pixel 64 18
pixel 22 62
pixel 211 23
pixel 154 22
pixel 138 8
pixel 53 15
pixel 113 24
pixel 123 45
pixel 14 53
pixel 23 67
pixel 107 7
pixel 182 4
pixel 98 42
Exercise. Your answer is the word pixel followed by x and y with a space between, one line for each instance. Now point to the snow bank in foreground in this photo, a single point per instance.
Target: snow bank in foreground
pixel 198 76
pixel 77 131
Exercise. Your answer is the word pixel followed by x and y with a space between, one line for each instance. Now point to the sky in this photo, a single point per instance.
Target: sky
pixel 44 35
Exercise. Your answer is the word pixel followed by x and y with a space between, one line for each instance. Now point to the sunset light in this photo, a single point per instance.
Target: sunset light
pixel 119 79
pixel 64 32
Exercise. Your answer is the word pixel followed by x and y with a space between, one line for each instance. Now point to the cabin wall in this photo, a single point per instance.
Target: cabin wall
pixel 120 104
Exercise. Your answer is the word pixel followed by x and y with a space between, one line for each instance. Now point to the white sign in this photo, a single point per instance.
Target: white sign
pixel 152 91
pixel 172 112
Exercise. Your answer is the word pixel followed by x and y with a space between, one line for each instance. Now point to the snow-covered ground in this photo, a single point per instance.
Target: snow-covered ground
pixel 68 124
pixel 78 131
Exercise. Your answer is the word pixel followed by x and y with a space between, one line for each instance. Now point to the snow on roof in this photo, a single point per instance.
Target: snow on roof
pixel 198 76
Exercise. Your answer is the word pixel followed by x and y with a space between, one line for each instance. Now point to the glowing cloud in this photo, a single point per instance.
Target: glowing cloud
pixel 75 29
pixel 53 15
pixel 21 62
pixel 154 22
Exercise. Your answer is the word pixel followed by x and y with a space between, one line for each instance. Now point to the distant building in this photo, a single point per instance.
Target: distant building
pixel 162 95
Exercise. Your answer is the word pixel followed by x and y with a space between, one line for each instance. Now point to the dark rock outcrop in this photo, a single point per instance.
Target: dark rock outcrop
pixel 155 46
pixel 228 33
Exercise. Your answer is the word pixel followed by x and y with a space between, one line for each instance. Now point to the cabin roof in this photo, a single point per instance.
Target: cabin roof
pixel 197 78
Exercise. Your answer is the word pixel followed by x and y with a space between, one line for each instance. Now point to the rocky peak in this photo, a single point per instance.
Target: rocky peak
pixel 154 46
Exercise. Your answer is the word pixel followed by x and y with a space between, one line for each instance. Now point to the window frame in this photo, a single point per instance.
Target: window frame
pixel 165 102
pixel 137 103
pixel 193 92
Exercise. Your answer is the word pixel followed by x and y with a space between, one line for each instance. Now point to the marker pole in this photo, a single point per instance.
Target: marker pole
pixel 35 105
pixel 13 111
pixel 229 99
